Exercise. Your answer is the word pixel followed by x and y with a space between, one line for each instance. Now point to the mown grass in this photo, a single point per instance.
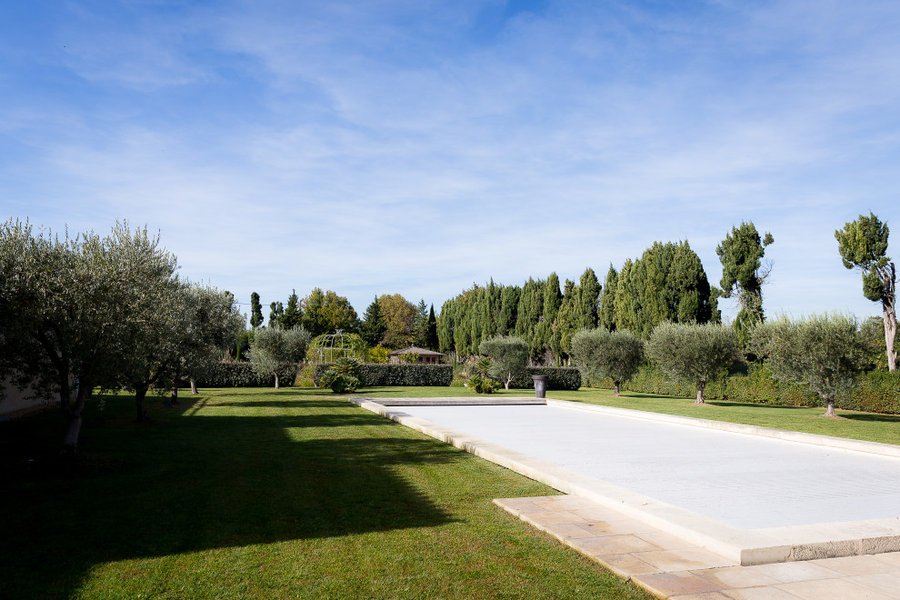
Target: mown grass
pixel 849 424
pixel 268 494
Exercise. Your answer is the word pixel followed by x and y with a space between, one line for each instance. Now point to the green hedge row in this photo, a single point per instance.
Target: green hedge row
pixel 877 391
pixel 558 378
pixel 241 374
pixel 403 374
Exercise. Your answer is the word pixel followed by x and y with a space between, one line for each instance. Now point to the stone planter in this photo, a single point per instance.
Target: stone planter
pixel 540 386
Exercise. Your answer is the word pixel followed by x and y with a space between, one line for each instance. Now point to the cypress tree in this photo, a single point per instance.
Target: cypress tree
pixel 607 311
pixel 431 336
pixel 256 317
pixel 588 299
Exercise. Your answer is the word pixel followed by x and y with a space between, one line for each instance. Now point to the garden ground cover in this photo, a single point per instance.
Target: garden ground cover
pixel 250 493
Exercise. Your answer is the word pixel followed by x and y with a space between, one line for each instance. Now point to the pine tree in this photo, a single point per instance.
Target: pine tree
pixel 373 327
pixel 741 253
pixel 420 328
pixel 292 314
pixel 863 244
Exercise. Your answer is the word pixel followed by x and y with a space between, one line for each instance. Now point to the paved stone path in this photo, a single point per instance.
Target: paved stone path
pixel 670 567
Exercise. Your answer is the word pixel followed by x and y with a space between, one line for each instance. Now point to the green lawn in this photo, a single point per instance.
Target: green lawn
pixel 850 424
pixel 268 494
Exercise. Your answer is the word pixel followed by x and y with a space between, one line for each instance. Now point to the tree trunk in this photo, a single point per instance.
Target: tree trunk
pixel 140 392
pixel 276 380
pixel 889 310
pixel 194 391
pixel 616 383
pixel 73 419
pixel 700 387
pixel 508 380
pixel 174 399
pixel 829 410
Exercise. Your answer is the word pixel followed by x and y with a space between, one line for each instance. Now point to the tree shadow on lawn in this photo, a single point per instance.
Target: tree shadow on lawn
pixel 183 484
pixel 870 417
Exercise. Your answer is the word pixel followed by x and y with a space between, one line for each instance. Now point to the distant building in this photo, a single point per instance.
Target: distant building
pixel 426 357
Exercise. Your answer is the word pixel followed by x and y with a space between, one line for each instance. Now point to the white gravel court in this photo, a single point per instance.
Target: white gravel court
pixel 746 481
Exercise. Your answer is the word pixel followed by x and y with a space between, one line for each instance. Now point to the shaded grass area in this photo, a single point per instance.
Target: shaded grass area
pixel 267 494
pixel 851 424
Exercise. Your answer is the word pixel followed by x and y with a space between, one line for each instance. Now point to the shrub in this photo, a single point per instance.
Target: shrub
pixel 379 355
pixel 481 385
pixel 341 383
pixel 399 375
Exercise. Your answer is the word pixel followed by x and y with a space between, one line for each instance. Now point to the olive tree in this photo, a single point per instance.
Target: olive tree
pixel 68 307
pixel 274 347
pixel 509 355
pixel 693 353
pixel 602 353
pixel 863 244
pixel 822 352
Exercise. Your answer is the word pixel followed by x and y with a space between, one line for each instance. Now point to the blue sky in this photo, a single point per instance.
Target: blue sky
pixel 416 147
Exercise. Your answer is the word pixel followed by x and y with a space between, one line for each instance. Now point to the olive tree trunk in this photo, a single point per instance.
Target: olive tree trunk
pixel 73 411
pixel 140 392
pixel 194 391
pixel 616 384
pixel 700 387
pixel 276 380
pixel 829 407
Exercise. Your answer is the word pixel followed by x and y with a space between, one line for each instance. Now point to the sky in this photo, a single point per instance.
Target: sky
pixel 418 147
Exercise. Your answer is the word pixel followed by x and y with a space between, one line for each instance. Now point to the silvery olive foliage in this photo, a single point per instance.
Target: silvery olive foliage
pixel 824 352
pixel 693 353
pixel 83 311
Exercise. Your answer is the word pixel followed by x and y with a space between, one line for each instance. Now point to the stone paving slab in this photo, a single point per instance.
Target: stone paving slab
pixel 671 567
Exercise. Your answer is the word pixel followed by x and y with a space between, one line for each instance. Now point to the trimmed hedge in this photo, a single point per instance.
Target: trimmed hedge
pixel 378 374
pixel 877 391
pixel 558 378
pixel 241 374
